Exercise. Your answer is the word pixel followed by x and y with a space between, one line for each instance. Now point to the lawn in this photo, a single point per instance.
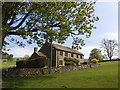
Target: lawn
pixel 8 64
pixel 101 77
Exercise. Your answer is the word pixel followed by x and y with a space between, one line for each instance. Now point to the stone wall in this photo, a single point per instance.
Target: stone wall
pixel 13 72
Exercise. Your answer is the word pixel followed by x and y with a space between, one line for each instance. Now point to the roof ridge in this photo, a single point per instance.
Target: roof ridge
pixel 65 47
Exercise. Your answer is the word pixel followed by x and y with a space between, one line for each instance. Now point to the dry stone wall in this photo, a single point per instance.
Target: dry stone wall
pixel 13 72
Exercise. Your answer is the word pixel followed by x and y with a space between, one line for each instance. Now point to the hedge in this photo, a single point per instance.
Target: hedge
pixel 74 60
pixel 37 63
pixel 69 63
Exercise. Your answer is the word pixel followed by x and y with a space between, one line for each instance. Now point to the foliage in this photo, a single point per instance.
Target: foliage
pixel 86 60
pixel 94 60
pixel 26 57
pixel 10 57
pixel 4 60
pixel 69 63
pixel 37 63
pixel 76 61
pixel 84 63
pixel 69 59
pixel 38 22
pixel 96 53
pixel 109 47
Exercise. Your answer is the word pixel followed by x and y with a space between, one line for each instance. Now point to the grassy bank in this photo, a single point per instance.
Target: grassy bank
pixel 101 77
pixel 8 64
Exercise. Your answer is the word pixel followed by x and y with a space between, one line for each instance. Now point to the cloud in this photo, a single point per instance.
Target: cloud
pixel 107 0
pixel 109 35
pixel 20 52
pixel 86 50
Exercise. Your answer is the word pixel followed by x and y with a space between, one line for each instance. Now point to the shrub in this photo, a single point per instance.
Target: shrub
pixel 84 63
pixel 37 63
pixel 94 60
pixel 69 63
pixel 26 57
pixel 68 59
pixel 21 64
pixel 10 57
pixel 4 60
pixel 74 60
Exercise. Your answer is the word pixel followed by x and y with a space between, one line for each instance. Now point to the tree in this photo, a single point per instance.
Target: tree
pixel 96 53
pixel 109 47
pixel 10 57
pixel 39 22
pixel 26 57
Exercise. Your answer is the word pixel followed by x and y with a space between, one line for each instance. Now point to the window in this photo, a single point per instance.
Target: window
pixel 71 54
pixel 66 53
pixel 81 57
pixel 61 53
pixel 61 62
pixel 77 56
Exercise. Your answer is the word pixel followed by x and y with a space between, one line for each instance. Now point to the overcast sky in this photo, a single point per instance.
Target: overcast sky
pixel 107 27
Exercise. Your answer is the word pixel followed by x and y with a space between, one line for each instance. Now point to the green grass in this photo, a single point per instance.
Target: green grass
pixel 8 64
pixel 86 60
pixel 101 77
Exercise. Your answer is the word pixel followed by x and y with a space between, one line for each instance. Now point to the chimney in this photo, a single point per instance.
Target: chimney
pixel 73 47
pixel 35 49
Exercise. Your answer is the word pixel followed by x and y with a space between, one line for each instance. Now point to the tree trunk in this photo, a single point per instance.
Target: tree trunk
pixel 2 40
pixel 50 61
pixel 110 58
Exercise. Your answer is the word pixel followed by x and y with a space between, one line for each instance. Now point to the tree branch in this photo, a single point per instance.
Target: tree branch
pixel 14 14
pixel 16 33
pixel 13 18
pixel 23 19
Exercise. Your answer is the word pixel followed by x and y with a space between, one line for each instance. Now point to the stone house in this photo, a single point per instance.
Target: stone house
pixel 58 55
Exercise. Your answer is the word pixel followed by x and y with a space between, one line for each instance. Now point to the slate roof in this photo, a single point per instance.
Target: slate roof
pixel 41 54
pixel 64 48
pixel 36 55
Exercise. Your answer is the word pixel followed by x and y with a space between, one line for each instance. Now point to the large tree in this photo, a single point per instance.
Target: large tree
pixel 96 53
pixel 109 47
pixel 39 22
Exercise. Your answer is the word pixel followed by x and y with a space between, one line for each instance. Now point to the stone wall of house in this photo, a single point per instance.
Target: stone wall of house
pixel 13 72
pixel 61 57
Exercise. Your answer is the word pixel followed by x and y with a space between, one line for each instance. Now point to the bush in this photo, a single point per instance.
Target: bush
pixel 74 60
pixel 26 57
pixel 21 64
pixel 10 57
pixel 68 59
pixel 4 60
pixel 69 63
pixel 84 63
pixel 94 60
pixel 37 63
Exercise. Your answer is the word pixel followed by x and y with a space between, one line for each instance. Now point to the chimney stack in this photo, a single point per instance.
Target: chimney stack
pixel 35 49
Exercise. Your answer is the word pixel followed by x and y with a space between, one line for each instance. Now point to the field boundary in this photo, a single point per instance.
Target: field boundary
pixel 110 60
pixel 14 72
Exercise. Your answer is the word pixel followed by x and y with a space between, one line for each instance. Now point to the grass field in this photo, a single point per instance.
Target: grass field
pixel 8 64
pixel 101 77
